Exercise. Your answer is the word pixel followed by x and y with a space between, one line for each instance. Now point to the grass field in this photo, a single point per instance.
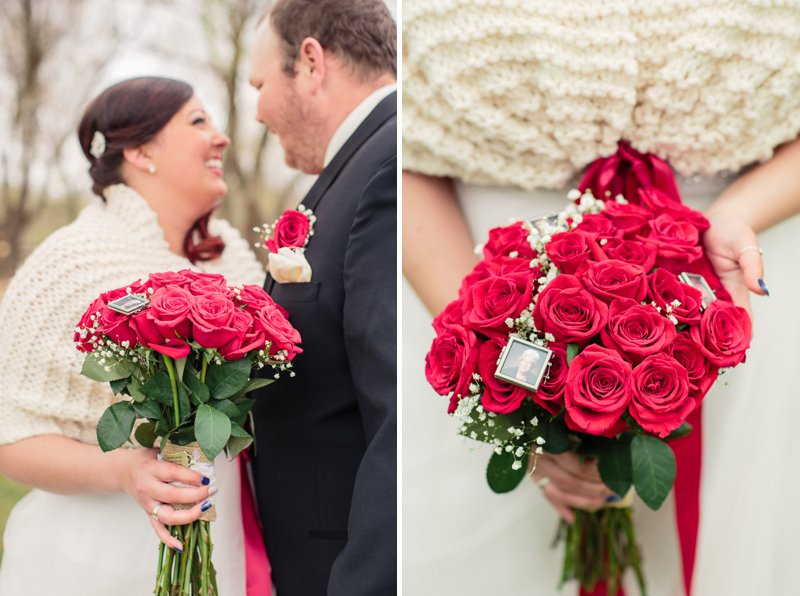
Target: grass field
pixel 10 493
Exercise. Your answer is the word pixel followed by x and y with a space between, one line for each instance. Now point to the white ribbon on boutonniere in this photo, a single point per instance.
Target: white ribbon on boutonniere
pixel 286 240
pixel 289 265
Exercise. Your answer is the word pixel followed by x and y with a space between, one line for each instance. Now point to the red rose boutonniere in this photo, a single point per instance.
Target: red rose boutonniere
pixel 286 241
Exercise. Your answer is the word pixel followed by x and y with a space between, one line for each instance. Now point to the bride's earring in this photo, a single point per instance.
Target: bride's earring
pixel 151 167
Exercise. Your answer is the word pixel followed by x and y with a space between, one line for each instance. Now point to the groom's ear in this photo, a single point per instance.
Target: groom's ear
pixel 311 64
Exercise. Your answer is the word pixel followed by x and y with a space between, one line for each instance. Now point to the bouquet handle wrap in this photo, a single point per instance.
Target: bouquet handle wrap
pixel 192 457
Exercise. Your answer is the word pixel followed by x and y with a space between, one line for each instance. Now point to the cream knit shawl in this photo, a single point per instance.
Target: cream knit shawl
pixel 107 246
pixel 526 93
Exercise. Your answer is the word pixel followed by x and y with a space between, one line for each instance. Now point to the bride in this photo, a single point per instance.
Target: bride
pixel 156 164
pixel 500 124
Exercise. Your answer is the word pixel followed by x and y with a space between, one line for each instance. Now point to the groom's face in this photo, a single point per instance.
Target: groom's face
pixel 283 105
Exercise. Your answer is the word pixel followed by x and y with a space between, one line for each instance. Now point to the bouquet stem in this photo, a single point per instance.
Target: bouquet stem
pixel 601 546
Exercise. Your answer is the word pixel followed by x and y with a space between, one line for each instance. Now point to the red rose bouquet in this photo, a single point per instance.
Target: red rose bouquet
pixel 182 348
pixel 597 330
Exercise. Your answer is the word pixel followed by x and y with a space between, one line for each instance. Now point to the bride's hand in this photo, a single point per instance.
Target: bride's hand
pixel 147 480
pixel 740 271
pixel 567 482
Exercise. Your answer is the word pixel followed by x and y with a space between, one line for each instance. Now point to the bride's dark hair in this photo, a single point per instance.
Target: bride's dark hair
pixel 130 114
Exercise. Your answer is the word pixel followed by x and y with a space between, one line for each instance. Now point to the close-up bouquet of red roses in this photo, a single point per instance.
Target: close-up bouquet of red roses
pixel 597 330
pixel 182 348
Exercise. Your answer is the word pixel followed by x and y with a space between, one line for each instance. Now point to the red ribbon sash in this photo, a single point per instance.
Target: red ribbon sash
pixel 257 566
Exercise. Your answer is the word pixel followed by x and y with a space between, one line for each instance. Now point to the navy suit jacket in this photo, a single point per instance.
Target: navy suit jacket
pixel 325 467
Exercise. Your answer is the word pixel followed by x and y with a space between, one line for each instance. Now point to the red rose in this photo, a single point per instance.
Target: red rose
pixel 598 392
pixel 665 288
pixel 450 363
pixel 117 326
pixel 550 394
pixel 246 339
pixel 612 279
pixel 490 302
pixel 279 331
pixel 568 250
pixel 565 309
pixel 255 298
pixel 167 278
pixel 598 226
pixel 84 341
pixel 212 315
pixel 701 372
pixel 659 202
pixel 174 348
pixel 628 219
pixel 290 230
pixel 169 310
pixel 451 315
pixel 636 330
pixel 676 243
pixel 507 240
pixel 496 267
pixel 498 396
pixel 724 333
pixel 636 252
pixel 661 400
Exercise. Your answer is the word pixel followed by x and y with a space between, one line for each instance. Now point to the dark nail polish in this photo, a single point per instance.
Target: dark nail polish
pixel 206 506
pixel 205 481
pixel 763 286
pixel 177 550
pixel 613 499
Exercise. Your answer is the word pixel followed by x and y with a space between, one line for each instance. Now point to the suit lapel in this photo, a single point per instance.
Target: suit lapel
pixel 377 117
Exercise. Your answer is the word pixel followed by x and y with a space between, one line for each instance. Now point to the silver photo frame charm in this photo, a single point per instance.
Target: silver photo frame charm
pixel 523 363
pixel 128 305
pixel 698 282
pixel 542 226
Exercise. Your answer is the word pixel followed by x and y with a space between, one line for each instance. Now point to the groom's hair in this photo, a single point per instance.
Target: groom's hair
pixel 361 33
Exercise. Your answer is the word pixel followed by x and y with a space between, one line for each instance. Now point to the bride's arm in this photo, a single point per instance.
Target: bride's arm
pixel 437 248
pixel 61 465
pixel 760 199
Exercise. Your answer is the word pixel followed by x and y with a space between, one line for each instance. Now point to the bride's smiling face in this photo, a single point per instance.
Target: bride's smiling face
pixel 187 155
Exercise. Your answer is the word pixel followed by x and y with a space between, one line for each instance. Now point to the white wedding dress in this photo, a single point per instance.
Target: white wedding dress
pixel 460 538
pixel 104 546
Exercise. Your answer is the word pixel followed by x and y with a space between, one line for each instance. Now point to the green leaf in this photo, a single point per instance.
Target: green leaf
pixel 239 441
pixel 225 406
pixel 183 435
pixel 115 425
pixel 225 380
pixel 147 409
pixel 159 388
pixel 684 429
pixel 501 476
pixel 97 372
pixel 118 385
pixel 257 383
pixel 556 439
pixel 200 393
pixel 135 390
pixel 146 434
pixel 180 365
pixel 653 469
pixel 213 429
pixel 183 401
pixel 572 351
pixel 615 467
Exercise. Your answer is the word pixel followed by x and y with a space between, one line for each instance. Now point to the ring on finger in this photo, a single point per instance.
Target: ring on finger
pixel 543 482
pixel 746 248
pixel 154 512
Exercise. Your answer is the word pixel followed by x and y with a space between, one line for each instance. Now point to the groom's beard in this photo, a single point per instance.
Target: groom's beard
pixel 301 135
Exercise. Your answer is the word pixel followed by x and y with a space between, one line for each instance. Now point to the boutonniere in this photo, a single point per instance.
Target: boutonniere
pixel 286 241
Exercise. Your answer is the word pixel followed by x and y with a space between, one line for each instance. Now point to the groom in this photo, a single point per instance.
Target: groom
pixel 325 468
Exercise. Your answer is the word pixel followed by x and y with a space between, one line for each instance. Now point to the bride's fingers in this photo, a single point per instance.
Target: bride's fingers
pixel 164 535
pixel 562 501
pixel 179 517
pixel 752 266
pixel 569 483
pixel 167 493
pixel 167 472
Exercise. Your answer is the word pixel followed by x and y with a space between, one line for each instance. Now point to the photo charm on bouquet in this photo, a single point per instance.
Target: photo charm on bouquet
pixel 699 283
pixel 544 226
pixel 523 363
